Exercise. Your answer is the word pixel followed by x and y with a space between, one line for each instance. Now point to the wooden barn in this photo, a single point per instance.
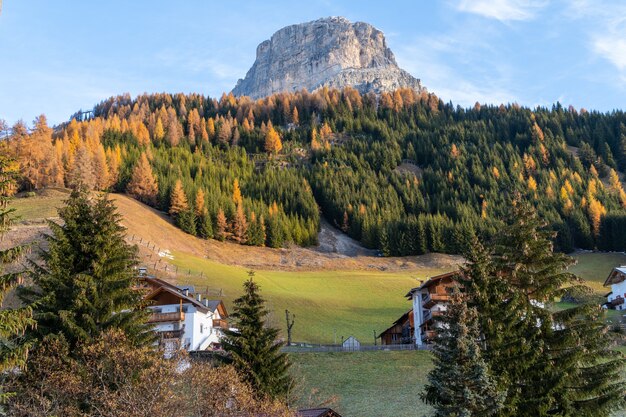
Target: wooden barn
pixel 401 331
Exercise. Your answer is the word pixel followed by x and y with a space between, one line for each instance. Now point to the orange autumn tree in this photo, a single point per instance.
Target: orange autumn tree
pixel 143 185
pixel 178 199
pixel 273 144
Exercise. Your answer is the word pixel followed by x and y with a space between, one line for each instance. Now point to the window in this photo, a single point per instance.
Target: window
pixel 201 328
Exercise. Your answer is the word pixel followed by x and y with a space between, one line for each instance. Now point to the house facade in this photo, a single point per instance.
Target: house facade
pixel 401 331
pixel 617 281
pixel 430 300
pixel 183 319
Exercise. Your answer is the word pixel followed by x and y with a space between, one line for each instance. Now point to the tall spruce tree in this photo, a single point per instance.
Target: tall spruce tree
pixel 461 384
pixel 84 286
pixel 13 322
pixel 254 348
pixel 548 363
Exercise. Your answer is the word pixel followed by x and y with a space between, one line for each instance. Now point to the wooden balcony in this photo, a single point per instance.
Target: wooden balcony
pixel 171 334
pixel 220 324
pixel 431 299
pixel 165 317
pixel 428 336
pixel 618 301
pixel 429 315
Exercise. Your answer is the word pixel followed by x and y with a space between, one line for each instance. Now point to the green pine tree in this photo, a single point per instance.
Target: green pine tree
pixel 461 384
pixel 254 348
pixel 186 220
pixel 13 322
pixel 548 363
pixel 85 285
pixel 204 226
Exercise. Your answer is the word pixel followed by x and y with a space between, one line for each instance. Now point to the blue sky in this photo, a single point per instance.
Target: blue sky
pixel 59 56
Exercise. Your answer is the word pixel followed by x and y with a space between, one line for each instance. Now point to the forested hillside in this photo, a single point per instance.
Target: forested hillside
pixel 403 172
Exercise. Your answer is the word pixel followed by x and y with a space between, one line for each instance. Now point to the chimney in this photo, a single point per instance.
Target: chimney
pixel 199 297
pixel 206 302
pixel 186 292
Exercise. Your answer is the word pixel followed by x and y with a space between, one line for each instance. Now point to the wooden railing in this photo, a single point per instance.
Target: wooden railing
pixel 220 324
pixel 171 334
pixel 431 299
pixel 162 317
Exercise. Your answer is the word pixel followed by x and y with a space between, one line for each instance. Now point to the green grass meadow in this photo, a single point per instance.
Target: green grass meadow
pixel 325 303
pixel 39 207
pixel 364 384
pixel 594 267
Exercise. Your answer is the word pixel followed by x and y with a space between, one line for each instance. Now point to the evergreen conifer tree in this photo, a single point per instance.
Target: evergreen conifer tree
pixel 186 220
pixel 13 322
pixel 85 285
pixel 253 347
pixel 205 226
pixel 461 384
pixel 548 363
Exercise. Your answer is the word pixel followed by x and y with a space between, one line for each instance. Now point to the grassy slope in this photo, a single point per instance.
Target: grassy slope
pixel 595 267
pixel 366 384
pixel 39 207
pixel 353 303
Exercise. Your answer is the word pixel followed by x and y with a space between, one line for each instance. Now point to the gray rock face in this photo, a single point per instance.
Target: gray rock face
pixel 329 52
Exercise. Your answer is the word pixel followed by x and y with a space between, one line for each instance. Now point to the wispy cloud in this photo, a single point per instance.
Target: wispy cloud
pixel 192 62
pixel 605 27
pixel 502 10
pixel 612 47
pixel 437 61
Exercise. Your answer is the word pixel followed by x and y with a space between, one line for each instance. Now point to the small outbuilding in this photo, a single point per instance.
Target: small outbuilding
pixel 351 343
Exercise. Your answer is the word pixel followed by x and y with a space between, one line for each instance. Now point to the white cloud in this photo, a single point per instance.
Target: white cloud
pixel 605 27
pixel 612 47
pixel 502 10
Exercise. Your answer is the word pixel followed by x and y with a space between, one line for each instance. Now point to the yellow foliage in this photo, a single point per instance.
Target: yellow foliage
pixel 273 143
pixel 237 199
pixel 454 151
pixel 595 210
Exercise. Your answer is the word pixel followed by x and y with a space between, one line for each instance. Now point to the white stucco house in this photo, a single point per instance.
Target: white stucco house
pixel 182 319
pixel 430 300
pixel 617 281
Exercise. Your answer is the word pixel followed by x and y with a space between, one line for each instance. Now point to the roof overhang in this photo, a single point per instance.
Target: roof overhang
pixel 616 276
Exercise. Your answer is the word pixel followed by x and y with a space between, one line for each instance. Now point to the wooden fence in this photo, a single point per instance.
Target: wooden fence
pixel 311 348
pixel 156 264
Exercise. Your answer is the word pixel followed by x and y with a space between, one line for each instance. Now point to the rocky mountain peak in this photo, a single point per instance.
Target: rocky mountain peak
pixel 331 52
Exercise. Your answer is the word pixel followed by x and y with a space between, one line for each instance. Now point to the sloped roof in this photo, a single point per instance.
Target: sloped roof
pixel 185 299
pixel 399 321
pixel 431 281
pixel 617 275
pixel 164 286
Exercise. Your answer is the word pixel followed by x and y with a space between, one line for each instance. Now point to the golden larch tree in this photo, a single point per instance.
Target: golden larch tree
pixel 596 210
pixel 198 206
pixel 143 185
pixel 178 199
pixel 237 198
pixel 159 130
pixel 273 144
pixel 220 225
